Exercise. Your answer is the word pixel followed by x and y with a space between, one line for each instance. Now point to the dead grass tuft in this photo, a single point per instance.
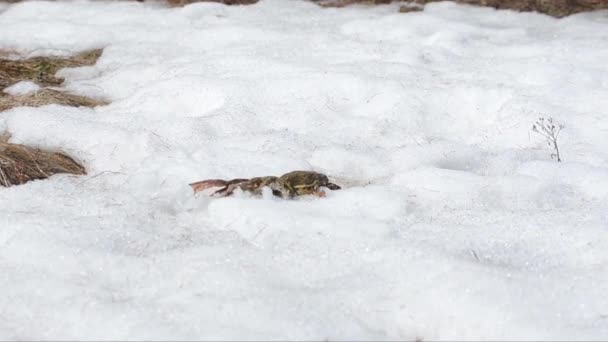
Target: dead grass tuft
pixel 42 70
pixel 5 136
pixel 344 3
pixel 410 8
pixel 20 164
pixel 178 3
pixel 8 54
pixel 555 8
pixel 45 97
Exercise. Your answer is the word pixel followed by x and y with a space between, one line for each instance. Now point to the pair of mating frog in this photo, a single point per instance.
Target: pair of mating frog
pixel 289 185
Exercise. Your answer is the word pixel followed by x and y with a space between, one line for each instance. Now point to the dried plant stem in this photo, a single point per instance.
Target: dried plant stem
pixel 550 131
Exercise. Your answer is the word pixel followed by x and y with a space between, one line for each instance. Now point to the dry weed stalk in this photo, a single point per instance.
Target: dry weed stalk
pixel 550 131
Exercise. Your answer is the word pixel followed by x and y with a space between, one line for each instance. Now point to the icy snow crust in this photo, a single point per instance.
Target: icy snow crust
pixel 454 222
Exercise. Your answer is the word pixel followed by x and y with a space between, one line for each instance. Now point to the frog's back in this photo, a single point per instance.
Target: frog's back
pixel 302 182
pixel 304 177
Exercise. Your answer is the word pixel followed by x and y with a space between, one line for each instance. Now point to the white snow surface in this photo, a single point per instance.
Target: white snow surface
pixel 454 222
pixel 22 88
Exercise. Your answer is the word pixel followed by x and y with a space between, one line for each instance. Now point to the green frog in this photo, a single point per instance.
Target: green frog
pixel 289 185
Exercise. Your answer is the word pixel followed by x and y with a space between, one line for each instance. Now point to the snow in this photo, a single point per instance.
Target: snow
pixel 22 88
pixel 454 222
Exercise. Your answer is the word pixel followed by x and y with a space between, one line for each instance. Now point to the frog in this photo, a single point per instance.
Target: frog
pixel 289 185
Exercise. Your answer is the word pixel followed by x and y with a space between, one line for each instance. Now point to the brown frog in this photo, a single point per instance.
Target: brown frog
pixel 289 185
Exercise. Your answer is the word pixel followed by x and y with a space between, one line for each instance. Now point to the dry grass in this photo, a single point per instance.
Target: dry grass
pixel 344 3
pixel 555 8
pixel 46 97
pixel 42 70
pixel 176 3
pixel 10 54
pixel 20 164
pixel 410 8
pixel 5 136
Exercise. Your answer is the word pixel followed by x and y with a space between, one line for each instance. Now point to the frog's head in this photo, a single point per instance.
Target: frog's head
pixel 332 186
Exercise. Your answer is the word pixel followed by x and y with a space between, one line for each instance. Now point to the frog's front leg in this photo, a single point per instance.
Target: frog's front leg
pixel 319 193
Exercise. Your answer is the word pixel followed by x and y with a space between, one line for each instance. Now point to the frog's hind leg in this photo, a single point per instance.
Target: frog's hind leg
pixel 207 183
pixel 230 186
pixel 227 187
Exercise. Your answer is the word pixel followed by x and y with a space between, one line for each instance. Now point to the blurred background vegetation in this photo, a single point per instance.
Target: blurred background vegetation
pixel 555 8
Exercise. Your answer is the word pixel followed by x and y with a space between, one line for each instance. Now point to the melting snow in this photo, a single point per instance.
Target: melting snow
pixel 454 222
